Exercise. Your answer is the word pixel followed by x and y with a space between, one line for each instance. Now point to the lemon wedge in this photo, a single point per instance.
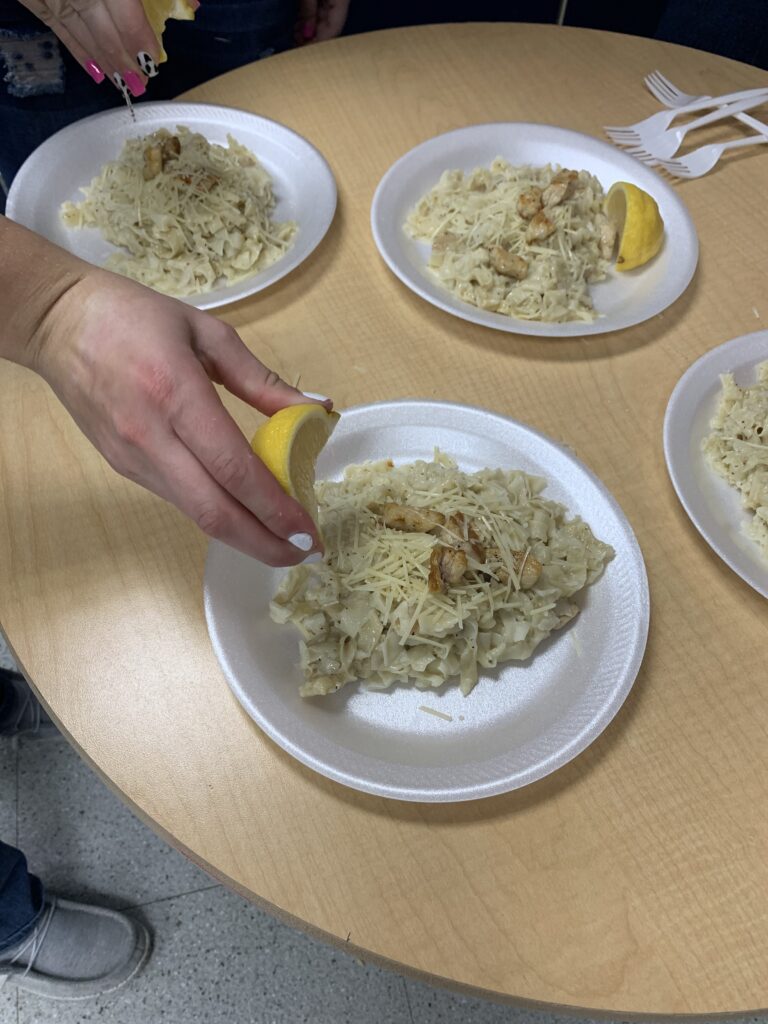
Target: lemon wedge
pixel 638 224
pixel 159 11
pixel 288 444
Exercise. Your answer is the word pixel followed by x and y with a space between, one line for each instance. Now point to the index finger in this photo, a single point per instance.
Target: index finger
pixel 134 29
pixel 93 24
pixel 202 423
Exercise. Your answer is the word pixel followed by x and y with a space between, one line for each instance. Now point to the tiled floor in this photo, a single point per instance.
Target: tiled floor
pixel 216 959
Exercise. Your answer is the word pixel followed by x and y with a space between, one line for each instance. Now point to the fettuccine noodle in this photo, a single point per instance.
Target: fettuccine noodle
pixel 191 214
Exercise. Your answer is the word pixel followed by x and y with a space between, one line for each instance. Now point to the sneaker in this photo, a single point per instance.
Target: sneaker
pixel 76 951
pixel 21 713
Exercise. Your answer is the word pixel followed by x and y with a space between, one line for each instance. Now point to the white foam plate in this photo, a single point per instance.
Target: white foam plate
pixel 714 507
pixel 522 721
pixel 621 301
pixel 303 183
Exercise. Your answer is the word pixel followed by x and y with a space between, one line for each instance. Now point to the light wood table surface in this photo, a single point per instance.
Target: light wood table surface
pixel 636 878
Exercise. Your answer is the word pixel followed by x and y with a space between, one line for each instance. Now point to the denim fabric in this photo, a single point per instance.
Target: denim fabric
pixel 21 898
pixel 33 64
pixel 222 37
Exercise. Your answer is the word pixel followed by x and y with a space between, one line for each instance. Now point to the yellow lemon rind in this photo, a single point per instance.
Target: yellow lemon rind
pixel 641 229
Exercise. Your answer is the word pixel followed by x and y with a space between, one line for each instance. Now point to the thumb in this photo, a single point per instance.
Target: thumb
pixel 228 361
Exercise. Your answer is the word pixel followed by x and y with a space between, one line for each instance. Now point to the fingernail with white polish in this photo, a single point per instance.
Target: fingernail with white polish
pixel 313 559
pixel 119 81
pixel 315 396
pixel 147 64
pixel 302 541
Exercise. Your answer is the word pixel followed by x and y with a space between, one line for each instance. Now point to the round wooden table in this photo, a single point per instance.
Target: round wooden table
pixel 635 879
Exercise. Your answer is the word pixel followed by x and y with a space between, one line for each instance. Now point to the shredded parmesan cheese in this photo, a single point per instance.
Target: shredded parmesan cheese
pixel 367 612
pixel 474 226
pixel 435 712
pixel 189 220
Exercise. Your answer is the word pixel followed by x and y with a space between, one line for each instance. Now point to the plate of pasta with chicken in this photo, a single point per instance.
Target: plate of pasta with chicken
pixel 477 619
pixel 205 203
pixel 534 229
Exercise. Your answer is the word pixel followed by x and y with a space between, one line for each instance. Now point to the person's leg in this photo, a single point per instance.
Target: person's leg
pixel 21 713
pixel 59 948
pixel 22 899
pixel 49 946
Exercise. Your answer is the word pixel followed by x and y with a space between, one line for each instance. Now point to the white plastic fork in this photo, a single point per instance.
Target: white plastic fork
pixel 665 144
pixel 667 92
pixel 635 134
pixel 703 159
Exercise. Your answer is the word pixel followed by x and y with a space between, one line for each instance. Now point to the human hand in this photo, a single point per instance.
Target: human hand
pixel 109 38
pixel 320 19
pixel 134 369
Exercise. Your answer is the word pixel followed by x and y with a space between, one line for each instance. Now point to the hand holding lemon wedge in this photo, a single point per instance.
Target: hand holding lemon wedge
pixel 289 443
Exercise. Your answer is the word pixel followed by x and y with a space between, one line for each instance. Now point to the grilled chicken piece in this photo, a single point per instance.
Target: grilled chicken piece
pixel 555 193
pixel 446 568
pixel 566 175
pixel 156 156
pixel 526 567
pixel 153 162
pixel 460 532
pixel 541 227
pixel 507 263
pixel 171 148
pixel 561 187
pixel 529 202
pixel 411 520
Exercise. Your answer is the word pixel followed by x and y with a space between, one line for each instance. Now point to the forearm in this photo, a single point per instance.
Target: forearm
pixel 34 275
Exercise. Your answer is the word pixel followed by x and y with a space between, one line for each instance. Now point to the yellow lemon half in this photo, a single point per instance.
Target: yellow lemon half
pixel 288 444
pixel 159 11
pixel 638 223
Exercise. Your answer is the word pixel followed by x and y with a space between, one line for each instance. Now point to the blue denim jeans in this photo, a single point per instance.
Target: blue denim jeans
pixel 222 37
pixel 21 898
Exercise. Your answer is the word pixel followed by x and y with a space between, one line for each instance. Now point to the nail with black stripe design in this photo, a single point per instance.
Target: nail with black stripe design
pixel 119 81
pixel 147 64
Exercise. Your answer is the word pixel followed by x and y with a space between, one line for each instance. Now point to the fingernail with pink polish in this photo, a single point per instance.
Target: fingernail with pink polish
pixel 308 30
pixel 95 71
pixel 135 83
